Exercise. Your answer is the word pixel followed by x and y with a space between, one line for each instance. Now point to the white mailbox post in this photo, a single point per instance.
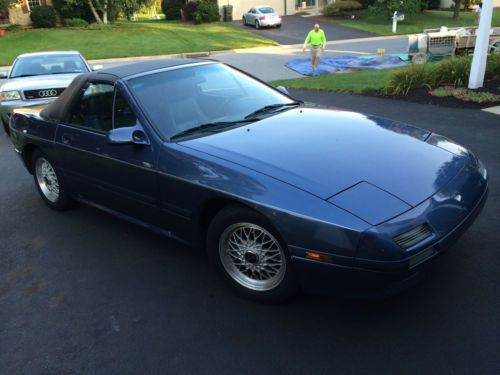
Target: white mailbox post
pixel 395 18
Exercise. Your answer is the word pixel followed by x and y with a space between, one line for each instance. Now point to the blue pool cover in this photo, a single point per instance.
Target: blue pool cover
pixel 344 62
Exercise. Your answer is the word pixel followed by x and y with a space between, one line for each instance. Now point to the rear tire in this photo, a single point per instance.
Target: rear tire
pixel 257 25
pixel 49 183
pixel 250 256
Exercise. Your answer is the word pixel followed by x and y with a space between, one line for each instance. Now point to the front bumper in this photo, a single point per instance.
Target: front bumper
pixel 7 107
pixel 377 269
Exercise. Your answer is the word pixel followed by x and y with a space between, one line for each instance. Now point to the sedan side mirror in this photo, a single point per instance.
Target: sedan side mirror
pixel 283 90
pixel 3 75
pixel 128 135
pixel 97 67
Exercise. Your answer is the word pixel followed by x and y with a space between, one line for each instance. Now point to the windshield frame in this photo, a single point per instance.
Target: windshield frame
pixel 127 80
pixel 62 54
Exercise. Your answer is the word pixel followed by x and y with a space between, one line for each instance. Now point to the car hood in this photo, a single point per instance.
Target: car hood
pixel 327 152
pixel 38 82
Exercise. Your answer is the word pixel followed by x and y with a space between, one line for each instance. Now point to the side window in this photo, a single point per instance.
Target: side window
pixel 94 108
pixel 124 116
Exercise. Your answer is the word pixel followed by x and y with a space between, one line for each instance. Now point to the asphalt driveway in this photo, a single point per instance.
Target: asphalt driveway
pixel 82 292
pixel 295 29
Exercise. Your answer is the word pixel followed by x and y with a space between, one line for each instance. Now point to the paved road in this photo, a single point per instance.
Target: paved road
pixel 84 293
pixel 295 29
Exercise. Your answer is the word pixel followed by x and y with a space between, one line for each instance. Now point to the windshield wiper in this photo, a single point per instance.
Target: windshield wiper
pixel 210 126
pixel 271 107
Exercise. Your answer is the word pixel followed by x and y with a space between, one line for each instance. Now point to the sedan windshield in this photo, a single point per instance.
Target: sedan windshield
pixel 48 64
pixel 198 97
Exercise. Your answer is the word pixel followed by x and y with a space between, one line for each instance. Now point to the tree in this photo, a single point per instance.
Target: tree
pixel 456 10
pixel 102 9
pixel 388 7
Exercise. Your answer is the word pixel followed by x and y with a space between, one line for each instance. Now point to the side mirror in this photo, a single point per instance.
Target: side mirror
pixel 4 75
pixel 128 135
pixel 97 67
pixel 283 90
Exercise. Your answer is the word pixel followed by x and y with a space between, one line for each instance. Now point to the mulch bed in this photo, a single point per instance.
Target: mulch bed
pixel 421 95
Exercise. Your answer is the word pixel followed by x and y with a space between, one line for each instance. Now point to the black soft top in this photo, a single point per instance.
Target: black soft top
pixel 58 109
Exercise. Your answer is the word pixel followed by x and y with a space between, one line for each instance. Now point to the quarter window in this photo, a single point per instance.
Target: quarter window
pixel 94 109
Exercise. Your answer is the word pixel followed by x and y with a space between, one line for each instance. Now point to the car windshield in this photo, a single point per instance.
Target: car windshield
pixel 185 98
pixel 48 64
pixel 266 10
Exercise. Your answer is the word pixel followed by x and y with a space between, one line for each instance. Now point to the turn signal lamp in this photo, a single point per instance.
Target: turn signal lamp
pixel 319 257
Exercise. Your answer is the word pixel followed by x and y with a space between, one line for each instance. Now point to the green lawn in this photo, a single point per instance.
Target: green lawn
pixel 378 24
pixel 352 82
pixel 128 39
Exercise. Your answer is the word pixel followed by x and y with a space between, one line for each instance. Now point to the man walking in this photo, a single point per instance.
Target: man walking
pixel 317 39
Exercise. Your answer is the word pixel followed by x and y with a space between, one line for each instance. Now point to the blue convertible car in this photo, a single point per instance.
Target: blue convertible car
pixel 280 193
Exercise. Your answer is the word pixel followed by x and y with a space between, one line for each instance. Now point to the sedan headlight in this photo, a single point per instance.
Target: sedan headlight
pixel 9 95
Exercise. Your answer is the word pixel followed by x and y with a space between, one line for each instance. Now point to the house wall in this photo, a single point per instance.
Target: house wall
pixel 19 13
pixel 243 6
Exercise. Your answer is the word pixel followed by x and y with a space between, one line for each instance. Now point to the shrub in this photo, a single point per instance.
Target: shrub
pixel 454 71
pixel 403 80
pixel 341 7
pixel 75 22
pixel 430 4
pixel 188 9
pixel 14 27
pixel 73 9
pixel 172 9
pixel 388 7
pixel 43 16
pixel 207 11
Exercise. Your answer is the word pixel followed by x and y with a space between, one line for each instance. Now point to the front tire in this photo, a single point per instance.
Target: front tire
pixel 250 255
pixel 244 21
pixel 49 183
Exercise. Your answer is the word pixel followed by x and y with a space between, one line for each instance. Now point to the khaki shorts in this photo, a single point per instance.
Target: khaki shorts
pixel 315 55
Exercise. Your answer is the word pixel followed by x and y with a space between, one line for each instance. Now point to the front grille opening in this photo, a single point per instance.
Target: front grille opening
pixel 413 236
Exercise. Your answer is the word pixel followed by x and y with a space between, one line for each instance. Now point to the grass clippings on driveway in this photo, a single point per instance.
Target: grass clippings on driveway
pixel 128 39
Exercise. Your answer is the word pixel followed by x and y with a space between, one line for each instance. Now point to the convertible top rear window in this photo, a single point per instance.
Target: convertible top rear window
pixel 180 99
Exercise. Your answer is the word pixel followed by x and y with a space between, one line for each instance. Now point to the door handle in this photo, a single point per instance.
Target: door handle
pixel 66 139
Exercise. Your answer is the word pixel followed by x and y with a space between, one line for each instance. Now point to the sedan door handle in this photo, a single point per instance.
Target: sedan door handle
pixel 66 139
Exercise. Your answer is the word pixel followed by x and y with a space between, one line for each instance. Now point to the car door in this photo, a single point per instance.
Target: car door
pixel 121 177
pixel 251 18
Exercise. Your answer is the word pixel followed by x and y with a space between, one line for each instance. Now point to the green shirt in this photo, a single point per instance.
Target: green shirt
pixel 316 38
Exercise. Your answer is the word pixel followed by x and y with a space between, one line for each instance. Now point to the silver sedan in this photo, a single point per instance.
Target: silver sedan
pixel 38 78
pixel 262 16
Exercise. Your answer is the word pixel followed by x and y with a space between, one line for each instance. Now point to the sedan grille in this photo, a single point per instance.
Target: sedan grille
pixel 413 236
pixel 43 93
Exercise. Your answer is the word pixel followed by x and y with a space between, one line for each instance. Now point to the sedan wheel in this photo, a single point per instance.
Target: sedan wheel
pixel 49 184
pixel 250 255
pixel 257 25
pixel 244 21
